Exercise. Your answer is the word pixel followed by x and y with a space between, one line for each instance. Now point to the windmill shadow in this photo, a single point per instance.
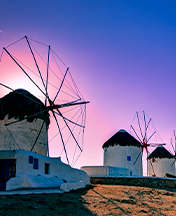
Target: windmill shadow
pixel 71 203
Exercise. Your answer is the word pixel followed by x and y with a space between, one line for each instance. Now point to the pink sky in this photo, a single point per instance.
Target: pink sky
pixel 121 55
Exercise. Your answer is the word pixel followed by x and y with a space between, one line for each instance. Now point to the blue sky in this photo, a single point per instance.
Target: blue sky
pixel 121 55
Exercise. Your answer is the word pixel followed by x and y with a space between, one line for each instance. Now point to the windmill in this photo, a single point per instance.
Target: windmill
pixel 144 130
pixel 34 66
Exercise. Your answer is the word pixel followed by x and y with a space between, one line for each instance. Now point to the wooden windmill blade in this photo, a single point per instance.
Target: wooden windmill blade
pixel 174 146
pixel 175 143
pixel 144 130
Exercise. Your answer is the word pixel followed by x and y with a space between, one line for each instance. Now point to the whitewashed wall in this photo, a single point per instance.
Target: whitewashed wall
pixel 60 174
pixel 161 167
pixel 57 167
pixel 102 171
pixel 22 135
pixel 116 156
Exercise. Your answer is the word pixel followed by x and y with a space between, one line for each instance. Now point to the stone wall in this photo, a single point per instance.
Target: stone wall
pixel 152 182
pixel 23 134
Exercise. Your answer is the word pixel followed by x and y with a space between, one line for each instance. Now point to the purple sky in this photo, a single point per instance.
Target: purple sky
pixel 121 54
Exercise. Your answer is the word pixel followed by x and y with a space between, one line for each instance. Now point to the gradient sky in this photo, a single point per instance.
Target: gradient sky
pixel 121 54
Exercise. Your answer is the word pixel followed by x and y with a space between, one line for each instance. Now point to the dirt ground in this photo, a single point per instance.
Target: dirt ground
pixel 93 200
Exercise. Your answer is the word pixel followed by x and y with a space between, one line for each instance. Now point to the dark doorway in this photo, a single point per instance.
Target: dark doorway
pixel 7 171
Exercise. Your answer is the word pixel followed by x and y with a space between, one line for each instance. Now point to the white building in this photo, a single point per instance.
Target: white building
pixel 122 157
pixel 160 162
pixel 21 169
pixel 24 146
pixel 105 171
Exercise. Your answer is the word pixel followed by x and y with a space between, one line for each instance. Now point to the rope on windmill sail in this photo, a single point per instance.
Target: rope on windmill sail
pixel 24 71
pixel 81 142
pixel 42 147
pixel 49 67
pixel 73 117
pixel 50 70
pixel 70 133
pixel 37 136
pixel 65 126
pixel 12 137
pixel 36 73
pixel 35 50
pixel 78 93
pixel 76 87
pixel 157 133
pixel 68 86
pixel 82 146
pixel 83 121
pixel 59 58
pixel 61 85
pixel 15 42
pixel 11 133
pixel 1 55
pixel 29 44
pixel 38 42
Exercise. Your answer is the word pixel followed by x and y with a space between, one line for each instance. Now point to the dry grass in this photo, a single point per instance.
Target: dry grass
pixel 94 200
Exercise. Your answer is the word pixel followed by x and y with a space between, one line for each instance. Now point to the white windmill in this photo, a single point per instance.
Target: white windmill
pixel 31 70
pixel 41 71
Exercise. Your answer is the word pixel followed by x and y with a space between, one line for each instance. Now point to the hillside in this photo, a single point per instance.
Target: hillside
pixel 94 200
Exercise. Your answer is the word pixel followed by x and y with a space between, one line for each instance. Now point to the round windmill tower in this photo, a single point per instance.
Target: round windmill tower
pixel 121 150
pixel 23 123
pixel 160 162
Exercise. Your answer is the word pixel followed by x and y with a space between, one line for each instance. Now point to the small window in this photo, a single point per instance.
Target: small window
pixel 130 173
pixel 46 168
pixel 111 170
pixel 30 159
pixel 128 158
pixel 35 165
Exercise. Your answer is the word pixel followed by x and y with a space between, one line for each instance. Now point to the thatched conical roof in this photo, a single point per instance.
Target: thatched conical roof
pixel 160 152
pixel 19 104
pixel 122 138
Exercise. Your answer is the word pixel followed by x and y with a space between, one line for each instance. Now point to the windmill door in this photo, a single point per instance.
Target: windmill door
pixel 7 171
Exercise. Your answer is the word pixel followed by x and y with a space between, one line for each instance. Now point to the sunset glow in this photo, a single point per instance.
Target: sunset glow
pixel 121 55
